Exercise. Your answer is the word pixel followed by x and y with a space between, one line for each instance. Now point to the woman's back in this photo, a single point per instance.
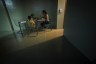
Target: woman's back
pixel 46 16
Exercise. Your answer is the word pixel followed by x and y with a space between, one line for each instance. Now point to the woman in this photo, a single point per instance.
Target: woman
pixel 45 18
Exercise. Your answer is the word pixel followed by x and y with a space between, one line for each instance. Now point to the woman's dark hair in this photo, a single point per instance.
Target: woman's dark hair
pixel 44 11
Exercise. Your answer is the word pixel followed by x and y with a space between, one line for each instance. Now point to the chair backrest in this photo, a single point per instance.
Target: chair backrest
pixel 50 24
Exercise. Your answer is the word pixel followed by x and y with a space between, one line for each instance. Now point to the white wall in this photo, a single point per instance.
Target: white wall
pixel 60 16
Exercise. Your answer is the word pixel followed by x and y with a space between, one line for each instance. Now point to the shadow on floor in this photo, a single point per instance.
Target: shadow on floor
pixel 58 51
pixel 5 43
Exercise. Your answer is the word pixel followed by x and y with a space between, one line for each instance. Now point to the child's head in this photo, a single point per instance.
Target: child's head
pixel 29 17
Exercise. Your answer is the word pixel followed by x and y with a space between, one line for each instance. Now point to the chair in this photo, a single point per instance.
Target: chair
pixel 49 25
pixel 21 26
pixel 31 29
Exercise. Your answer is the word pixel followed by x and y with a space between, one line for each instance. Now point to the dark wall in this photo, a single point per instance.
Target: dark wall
pixel 80 26
pixel 16 12
pixel 19 10
pixel 36 7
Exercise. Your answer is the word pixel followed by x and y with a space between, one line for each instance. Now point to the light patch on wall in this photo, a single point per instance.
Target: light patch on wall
pixel 9 3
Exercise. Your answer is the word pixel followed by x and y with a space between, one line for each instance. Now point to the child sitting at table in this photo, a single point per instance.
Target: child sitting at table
pixel 31 22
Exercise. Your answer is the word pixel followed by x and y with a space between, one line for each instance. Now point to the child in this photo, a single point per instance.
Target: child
pixel 31 22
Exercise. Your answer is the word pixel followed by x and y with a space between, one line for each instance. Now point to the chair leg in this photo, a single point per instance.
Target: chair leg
pixel 37 31
pixel 33 30
pixel 28 31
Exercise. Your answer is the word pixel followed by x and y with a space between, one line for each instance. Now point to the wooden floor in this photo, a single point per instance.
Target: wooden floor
pixel 43 36
pixel 14 44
